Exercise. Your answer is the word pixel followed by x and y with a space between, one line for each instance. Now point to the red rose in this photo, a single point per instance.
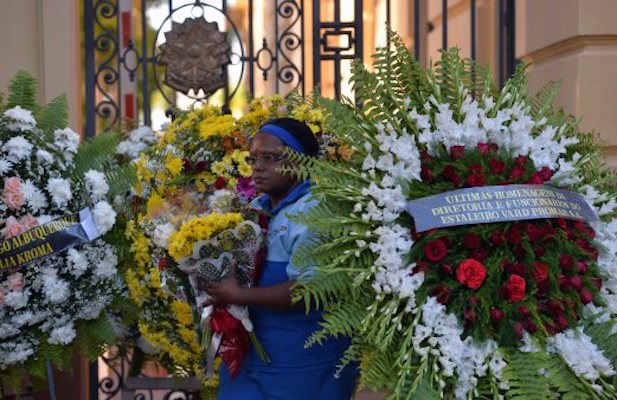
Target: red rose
pixel 521 160
pixel 479 254
pixel 535 179
pixel 426 174
pixel 457 152
pixel 565 262
pixel 471 241
pixel 517 172
pixel 539 251
pixel 446 269
pixel 476 168
pixel 524 311
pixel 514 236
pixel 442 294
pixel 470 316
pixel 540 271
pixel 483 148
pixel 531 327
pixel 562 322
pixel 597 282
pixel 546 173
pixel 435 250
pixel 514 289
pixel 220 182
pixel 496 166
pixel 497 315
pixel 420 267
pixel 450 173
pixel 518 329
pixel 582 267
pixel 564 282
pixel 425 157
pixel 576 282
pixel 471 273
pixel 475 180
pixel 534 233
pixel 586 296
pixel 497 238
pixel 519 252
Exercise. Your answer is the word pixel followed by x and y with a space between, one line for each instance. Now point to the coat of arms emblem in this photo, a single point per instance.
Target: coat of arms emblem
pixel 195 54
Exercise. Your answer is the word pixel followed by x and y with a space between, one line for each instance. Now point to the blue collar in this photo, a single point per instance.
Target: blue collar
pixel 264 200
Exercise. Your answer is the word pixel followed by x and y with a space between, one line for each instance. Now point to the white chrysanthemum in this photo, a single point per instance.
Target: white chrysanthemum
pixel 77 262
pixel 35 198
pixel 66 140
pixel 5 166
pixel 44 157
pixel 63 334
pixel 60 191
pixel 22 119
pixel 96 184
pixel 106 262
pixel 56 290
pixel 104 216
pixel 161 235
pixel 221 200
pixel 18 148
pixel 14 352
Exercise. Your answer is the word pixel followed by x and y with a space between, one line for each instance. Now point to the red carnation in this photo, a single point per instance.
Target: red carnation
pixel 457 152
pixel 475 180
pixel 514 289
pixel 496 166
pixel 472 241
pixel 220 182
pixel 471 273
pixel 435 250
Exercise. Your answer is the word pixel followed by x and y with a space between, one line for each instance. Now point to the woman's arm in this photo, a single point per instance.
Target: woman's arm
pixel 228 291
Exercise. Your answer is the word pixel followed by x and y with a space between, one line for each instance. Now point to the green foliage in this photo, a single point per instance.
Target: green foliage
pixel 22 92
pixel 54 115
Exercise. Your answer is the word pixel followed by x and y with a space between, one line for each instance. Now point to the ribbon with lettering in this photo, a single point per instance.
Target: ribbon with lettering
pixel 49 238
pixel 487 204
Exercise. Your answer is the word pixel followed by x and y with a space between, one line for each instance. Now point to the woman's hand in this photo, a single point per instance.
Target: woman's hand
pixel 226 291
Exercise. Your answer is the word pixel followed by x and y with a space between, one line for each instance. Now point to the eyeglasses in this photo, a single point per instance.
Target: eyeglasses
pixel 265 158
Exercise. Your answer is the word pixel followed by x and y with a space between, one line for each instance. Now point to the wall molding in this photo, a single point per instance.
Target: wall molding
pixel 570 45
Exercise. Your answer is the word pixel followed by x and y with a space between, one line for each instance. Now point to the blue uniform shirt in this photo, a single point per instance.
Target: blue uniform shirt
pixel 283 333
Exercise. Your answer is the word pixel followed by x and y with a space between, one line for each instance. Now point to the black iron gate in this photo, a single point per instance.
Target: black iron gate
pixel 125 63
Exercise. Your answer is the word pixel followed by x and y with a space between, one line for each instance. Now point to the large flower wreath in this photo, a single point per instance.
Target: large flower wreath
pixel 51 306
pixel 194 185
pixel 519 309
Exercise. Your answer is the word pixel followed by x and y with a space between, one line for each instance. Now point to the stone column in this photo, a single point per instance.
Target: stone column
pixel 574 41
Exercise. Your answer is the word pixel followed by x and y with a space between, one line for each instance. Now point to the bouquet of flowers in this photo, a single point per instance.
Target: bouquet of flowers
pixel 207 249
pixel 56 276
pixel 497 299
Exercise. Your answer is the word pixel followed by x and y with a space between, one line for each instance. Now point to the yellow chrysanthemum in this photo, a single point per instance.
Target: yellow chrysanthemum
pixel 245 170
pixel 182 312
pixel 174 166
pixel 201 228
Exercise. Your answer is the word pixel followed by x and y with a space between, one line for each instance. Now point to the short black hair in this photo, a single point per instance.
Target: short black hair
pixel 300 131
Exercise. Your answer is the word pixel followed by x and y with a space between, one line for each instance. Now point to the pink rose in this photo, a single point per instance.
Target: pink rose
pixel 13 184
pixel 16 281
pixel 12 228
pixel 28 222
pixel 13 200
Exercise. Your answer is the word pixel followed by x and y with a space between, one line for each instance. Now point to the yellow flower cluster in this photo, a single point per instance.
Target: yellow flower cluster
pixel 218 125
pixel 234 161
pixel 311 116
pixel 201 228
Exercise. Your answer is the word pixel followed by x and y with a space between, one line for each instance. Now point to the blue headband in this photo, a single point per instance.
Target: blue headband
pixel 287 138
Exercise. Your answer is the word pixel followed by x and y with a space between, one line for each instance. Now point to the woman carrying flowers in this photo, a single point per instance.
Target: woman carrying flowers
pixel 282 328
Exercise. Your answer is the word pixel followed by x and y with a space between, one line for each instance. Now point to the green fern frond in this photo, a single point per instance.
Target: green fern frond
pixel 22 92
pixel 96 153
pixel 54 115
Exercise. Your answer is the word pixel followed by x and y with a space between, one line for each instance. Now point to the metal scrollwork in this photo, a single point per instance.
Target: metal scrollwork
pixel 289 41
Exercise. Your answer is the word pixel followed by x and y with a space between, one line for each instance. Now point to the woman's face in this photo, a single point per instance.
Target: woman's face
pixel 268 156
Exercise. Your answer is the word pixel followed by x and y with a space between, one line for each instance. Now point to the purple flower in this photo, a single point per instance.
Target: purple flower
pixel 246 188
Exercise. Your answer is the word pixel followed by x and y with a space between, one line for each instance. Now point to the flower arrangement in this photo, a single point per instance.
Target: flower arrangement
pixel 516 308
pixel 52 296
